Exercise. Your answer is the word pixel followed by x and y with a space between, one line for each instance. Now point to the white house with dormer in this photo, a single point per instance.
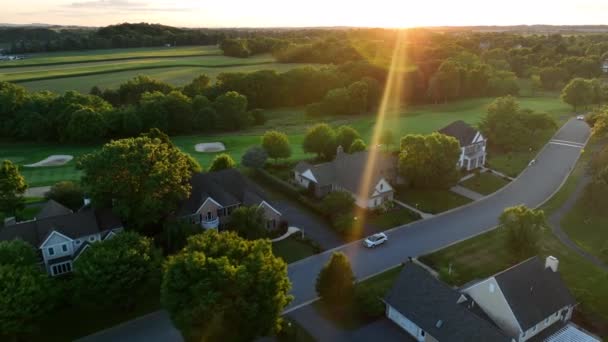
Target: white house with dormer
pixel 61 235
pixel 472 144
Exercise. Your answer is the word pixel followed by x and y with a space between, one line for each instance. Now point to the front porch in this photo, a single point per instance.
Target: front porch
pixel 210 223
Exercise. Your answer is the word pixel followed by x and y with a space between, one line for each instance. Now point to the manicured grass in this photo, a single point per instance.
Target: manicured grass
pixel 390 219
pixel 107 54
pixel 431 201
pixel 292 249
pixel 417 119
pixel 28 213
pixel 485 183
pixel 512 163
pixel 588 229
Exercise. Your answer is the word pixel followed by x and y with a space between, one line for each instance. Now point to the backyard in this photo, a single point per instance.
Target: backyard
pixel 485 183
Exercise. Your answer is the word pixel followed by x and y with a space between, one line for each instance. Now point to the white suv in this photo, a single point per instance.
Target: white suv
pixel 375 240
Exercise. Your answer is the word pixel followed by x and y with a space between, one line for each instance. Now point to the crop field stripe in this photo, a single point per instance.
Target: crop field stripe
pixel 108 60
pixel 112 71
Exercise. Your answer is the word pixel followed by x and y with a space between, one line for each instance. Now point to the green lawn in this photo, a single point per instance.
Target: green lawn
pixel 82 56
pixel 588 229
pixel 431 201
pixel 485 183
pixel 292 249
pixel 416 119
pixel 390 219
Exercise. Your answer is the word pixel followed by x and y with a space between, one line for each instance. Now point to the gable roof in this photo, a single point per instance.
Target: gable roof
pixel 425 300
pixel 533 291
pixel 74 225
pixel 226 187
pixel 463 132
pixel 347 170
pixel 52 208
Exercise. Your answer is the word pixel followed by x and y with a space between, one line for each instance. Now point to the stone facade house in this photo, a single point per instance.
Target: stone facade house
pixel 472 144
pixel 61 235
pixel 215 195
pixel 347 172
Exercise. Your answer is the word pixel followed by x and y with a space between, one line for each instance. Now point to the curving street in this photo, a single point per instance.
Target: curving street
pixel 535 185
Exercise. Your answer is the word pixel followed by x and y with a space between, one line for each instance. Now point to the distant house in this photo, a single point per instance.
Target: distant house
pixel 347 172
pixel 62 235
pixel 527 302
pixel 215 195
pixel 472 144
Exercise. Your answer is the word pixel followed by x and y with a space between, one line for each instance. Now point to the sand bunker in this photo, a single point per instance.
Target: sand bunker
pixel 54 160
pixel 210 147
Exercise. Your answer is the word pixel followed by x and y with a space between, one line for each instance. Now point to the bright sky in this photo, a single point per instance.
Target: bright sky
pixel 275 13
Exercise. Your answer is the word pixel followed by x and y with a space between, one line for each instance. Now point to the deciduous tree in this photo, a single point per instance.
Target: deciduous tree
pixel 335 283
pixel 357 146
pixel 345 136
pixel 321 140
pixel 143 178
pixel 578 92
pixel 523 228
pixel 67 193
pixel 12 188
pixel 221 287
pixel 115 271
pixel 276 144
pixel 249 222
pixel 255 157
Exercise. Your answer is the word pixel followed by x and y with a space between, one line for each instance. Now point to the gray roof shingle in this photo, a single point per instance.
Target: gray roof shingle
pixel 52 208
pixel 425 300
pixel 348 170
pixel 533 291
pixel 460 130
pixel 227 187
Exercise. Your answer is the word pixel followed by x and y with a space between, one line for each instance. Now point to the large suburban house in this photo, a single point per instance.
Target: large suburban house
pixel 527 302
pixel 472 144
pixel 215 195
pixel 347 172
pixel 62 235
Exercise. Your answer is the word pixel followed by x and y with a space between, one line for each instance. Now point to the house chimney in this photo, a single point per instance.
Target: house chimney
pixel 339 151
pixel 552 262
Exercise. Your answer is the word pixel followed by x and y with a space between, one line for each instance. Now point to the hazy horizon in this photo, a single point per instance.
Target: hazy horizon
pixel 314 13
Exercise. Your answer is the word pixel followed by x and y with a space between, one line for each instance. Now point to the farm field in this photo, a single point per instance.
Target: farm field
pixel 415 119
pixel 109 54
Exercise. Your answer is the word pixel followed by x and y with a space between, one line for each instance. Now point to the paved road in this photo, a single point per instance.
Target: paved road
pixel 535 185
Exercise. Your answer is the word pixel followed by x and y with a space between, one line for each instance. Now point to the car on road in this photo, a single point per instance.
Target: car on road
pixel 375 240
pixel 580 117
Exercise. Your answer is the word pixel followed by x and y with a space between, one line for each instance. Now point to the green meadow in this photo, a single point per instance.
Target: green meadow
pixel 406 120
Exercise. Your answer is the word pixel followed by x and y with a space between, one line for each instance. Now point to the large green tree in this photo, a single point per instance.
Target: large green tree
pixel 231 109
pixel 336 281
pixel 429 161
pixel 143 179
pixel 115 271
pixel 221 287
pixel 524 229
pixel 578 92
pixel 276 144
pixel 12 188
pixel 26 291
pixel 345 136
pixel 321 140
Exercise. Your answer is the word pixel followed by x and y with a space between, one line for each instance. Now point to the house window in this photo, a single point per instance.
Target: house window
pixel 61 268
pixel 547 321
pixel 64 247
pixel 219 213
pixel 381 186
pixel 92 238
pixel 208 216
pixel 51 251
pixel 422 333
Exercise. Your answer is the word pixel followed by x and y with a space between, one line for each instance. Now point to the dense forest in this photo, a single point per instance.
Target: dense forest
pixel 353 65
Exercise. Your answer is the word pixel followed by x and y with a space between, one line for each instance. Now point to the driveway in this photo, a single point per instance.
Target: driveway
pixel 535 185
